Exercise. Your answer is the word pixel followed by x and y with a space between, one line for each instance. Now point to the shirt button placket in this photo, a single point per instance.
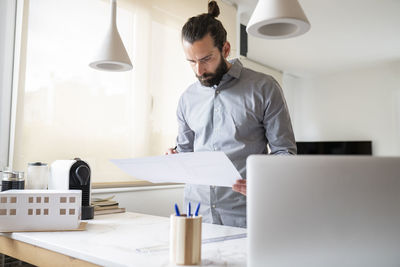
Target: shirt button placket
pixel 216 124
pixel 216 118
pixel 213 198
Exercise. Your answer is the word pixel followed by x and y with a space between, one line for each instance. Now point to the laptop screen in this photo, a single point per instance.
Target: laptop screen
pixel 323 211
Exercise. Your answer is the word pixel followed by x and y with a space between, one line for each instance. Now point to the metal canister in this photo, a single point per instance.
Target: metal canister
pixel 37 176
pixel 12 180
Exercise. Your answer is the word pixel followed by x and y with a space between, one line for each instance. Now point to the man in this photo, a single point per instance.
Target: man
pixel 231 109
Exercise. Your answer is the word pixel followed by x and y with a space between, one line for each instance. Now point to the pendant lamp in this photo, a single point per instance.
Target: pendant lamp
pixel 278 19
pixel 112 55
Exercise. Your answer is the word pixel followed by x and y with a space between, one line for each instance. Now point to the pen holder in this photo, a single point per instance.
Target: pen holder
pixel 185 240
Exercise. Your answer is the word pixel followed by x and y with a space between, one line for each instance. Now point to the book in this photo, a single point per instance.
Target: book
pixel 106 206
pixel 109 211
pixel 110 207
pixel 99 202
pixel 105 203
pixel 97 199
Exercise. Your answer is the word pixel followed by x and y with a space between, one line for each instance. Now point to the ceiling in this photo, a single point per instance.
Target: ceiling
pixel 344 34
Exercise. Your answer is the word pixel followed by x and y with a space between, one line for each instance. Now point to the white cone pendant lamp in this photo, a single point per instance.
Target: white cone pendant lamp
pixel 112 55
pixel 278 19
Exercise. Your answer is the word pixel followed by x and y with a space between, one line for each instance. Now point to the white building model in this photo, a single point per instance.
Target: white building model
pixel 39 210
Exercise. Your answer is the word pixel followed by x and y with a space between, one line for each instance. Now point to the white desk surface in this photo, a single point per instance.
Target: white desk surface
pixel 133 239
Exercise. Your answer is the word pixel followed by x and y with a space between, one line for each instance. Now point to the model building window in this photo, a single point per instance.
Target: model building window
pixel 71 211
pixel 46 200
pixel 3 212
pixel 72 199
pixel 38 200
pixel 3 200
pixel 13 200
pixel 30 211
pixel 13 211
pixel 30 200
pixel 63 200
pixel 63 211
pixel 46 212
pixel 37 211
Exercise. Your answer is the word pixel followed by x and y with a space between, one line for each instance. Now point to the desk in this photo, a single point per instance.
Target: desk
pixel 125 239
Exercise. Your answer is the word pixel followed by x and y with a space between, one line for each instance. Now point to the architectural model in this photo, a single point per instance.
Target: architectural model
pixel 39 210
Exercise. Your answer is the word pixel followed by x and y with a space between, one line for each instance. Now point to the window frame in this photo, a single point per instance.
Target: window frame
pixel 9 10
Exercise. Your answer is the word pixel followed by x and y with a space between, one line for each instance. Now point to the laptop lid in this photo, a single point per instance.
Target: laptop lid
pixel 323 211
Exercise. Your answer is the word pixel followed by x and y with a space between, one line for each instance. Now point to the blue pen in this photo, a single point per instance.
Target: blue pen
pixel 177 210
pixel 197 210
pixel 188 210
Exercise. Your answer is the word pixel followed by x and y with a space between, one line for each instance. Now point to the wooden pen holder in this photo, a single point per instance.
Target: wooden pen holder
pixel 185 240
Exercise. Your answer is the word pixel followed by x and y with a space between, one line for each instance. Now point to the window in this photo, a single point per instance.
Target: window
pixel 66 109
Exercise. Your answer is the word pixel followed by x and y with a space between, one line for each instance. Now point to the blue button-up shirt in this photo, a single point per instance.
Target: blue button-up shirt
pixel 240 116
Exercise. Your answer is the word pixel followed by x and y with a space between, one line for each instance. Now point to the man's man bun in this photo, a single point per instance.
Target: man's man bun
pixel 199 26
pixel 213 9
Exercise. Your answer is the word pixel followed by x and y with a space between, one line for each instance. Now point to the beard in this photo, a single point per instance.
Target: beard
pixel 211 79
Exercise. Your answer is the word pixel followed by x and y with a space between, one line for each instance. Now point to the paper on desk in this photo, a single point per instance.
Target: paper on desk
pixel 207 168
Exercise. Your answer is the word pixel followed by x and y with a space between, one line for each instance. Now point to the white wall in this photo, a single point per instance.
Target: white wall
pixel 154 200
pixel 362 104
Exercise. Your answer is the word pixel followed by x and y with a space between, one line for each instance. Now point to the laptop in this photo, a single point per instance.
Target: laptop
pixel 323 211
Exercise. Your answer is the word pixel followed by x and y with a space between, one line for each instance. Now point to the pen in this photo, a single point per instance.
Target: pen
pixel 188 210
pixel 197 210
pixel 177 210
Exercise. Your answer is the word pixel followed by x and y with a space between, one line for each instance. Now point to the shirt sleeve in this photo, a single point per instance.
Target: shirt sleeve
pixel 185 138
pixel 277 124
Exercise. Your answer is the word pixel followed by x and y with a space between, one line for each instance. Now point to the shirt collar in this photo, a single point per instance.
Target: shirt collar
pixel 235 69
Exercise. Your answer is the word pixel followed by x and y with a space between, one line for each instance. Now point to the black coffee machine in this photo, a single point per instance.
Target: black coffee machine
pixel 73 175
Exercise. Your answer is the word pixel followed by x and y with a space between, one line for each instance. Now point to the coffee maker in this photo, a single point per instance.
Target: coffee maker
pixel 73 175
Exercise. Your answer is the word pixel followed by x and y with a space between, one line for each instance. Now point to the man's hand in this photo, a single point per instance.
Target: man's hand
pixel 240 186
pixel 171 150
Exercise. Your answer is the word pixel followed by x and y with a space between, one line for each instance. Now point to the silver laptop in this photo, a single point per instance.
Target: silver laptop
pixel 323 211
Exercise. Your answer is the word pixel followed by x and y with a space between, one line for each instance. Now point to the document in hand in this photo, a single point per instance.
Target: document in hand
pixel 207 168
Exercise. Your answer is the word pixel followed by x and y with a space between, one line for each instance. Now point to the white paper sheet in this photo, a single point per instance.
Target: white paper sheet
pixel 207 168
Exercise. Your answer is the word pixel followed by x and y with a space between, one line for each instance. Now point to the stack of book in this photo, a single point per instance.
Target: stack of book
pixel 106 206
